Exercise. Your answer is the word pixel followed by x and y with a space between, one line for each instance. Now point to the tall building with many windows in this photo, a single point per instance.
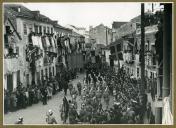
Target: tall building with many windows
pixel 33 41
pixel 100 35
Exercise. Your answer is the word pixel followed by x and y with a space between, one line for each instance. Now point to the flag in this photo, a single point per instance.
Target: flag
pixel 30 51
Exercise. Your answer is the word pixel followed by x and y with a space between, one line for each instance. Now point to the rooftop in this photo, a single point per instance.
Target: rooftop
pixel 117 24
pixel 59 26
pixel 12 11
pixel 148 29
pixel 18 10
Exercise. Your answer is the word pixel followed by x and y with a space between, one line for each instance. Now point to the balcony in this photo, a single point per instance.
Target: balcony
pixel 137 58
pixel 153 67
pixel 128 58
pixel 129 62
pixel 12 65
pixel 148 53
pixel 158 104
pixel 11 52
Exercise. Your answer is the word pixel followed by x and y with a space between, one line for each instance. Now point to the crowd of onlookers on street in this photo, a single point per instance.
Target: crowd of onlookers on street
pixel 107 97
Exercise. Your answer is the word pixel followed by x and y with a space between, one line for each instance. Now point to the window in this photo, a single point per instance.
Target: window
pixel 112 49
pixel 18 76
pixel 8 31
pixel 146 72
pixel 128 71
pixel 44 30
pixel 10 82
pixel 118 46
pixel 25 29
pixel 53 71
pixel 46 72
pixel 6 43
pixel 41 74
pixel 154 60
pixel 40 29
pixel 38 77
pixel 17 50
pixel 48 30
pixel 27 79
pixel 148 45
pixel 30 30
pixel 137 72
pixel 36 28
pixel 51 30
pixel 50 71
pixel 151 75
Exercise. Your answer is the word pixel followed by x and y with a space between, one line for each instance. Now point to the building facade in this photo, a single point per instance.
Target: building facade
pixel 13 57
pixel 37 47
pixel 100 35
pixel 150 50
pixel 125 48
pixel 80 30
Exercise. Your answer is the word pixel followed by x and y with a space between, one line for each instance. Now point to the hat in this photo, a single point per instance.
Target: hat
pixel 128 109
pixel 134 101
pixel 94 98
pixel 20 118
pixel 50 111
pixel 116 103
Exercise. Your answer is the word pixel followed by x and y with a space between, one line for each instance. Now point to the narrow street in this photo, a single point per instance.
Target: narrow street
pixel 89 63
pixel 36 113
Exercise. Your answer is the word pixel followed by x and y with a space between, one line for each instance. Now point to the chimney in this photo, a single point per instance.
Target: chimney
pixel 90 27
pixel 36 13
pixel 19 9
pixel 55 22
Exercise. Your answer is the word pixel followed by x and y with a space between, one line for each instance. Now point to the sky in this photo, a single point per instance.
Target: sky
pixel 87 14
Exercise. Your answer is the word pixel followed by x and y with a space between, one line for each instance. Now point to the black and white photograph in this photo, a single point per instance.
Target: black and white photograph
pixel 87 63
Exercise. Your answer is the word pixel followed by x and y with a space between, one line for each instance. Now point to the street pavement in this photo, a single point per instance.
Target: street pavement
pixel 36 114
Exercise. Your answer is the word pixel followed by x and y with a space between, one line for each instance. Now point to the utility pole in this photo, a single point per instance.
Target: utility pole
pixel 167 49
pixel 167 60
pixel 142 48
pixel 106 36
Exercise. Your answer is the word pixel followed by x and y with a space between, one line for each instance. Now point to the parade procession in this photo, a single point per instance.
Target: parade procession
pixel 96 74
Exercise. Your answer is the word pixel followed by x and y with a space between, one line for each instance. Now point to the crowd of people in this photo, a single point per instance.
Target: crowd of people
pixel 99 87
pixel 106 97
pixel 22 97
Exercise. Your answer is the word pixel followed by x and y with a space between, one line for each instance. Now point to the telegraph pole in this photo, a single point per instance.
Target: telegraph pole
pixel 167 49
pixel 106 36
pixel 142 48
